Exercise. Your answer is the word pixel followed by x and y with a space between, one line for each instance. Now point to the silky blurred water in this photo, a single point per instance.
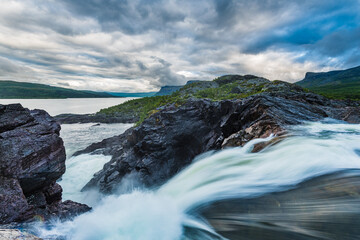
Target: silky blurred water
pixel 311 150
pixel 80 169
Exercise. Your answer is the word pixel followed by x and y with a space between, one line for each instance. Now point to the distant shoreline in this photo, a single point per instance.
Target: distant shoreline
pixel 25 90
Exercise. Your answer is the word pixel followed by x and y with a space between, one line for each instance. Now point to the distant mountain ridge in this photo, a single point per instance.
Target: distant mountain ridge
pixel 24 90
pixel 167 90
pixel 139 94
pixel 340 84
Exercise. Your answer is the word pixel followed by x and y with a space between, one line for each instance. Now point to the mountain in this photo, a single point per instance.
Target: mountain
pixel 13 89
pixel 167 90
pixel 341 84
pixel 141 94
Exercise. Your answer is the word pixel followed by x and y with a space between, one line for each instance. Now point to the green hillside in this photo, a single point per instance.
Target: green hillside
pixel 225 87
pixel 343 84
pixel 12 89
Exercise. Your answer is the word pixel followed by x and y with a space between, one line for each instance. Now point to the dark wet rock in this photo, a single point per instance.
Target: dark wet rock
pixel 32 158
pixel 37 200
pixel 97 118
pixel 169 140
pixel 67 209
pixel 273 141
pixel 53 193
pixel 13 204
pixel 325 207
pixel 47 204
pixel 30 147
pixel 163 144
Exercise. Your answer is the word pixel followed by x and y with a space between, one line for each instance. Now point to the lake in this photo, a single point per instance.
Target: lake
pixel 68 105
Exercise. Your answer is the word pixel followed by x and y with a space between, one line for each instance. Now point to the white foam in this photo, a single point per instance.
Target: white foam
pixel 139 215
pixel 316 148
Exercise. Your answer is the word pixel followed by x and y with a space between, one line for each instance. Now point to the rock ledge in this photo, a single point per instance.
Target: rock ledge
pixel 32 158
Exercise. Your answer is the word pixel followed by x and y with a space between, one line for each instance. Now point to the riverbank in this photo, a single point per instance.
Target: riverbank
pixel 182 149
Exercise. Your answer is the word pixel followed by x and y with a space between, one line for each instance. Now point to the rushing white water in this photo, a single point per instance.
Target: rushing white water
pixel 139 215
pixel 318 148
pixel 80 135
pixel 80 169
pixel 313 149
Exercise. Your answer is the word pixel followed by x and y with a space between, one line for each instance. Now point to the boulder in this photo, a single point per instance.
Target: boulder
pixel 32 158
pixel 30 147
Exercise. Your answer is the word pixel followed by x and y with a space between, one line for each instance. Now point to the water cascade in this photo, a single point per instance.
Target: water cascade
pixel 172 211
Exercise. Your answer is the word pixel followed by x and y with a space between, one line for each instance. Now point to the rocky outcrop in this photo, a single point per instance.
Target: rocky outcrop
pixel 168 140
pixel 96 118
pixel 32 158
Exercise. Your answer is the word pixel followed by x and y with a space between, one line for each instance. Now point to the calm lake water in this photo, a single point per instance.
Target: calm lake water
pixel 69 105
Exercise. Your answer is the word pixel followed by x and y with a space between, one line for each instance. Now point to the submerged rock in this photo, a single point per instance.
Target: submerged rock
pixel 32 158
pixel 325 207
pixel 169 139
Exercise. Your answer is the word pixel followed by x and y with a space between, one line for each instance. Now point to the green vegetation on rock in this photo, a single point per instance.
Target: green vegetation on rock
pixel 222 88
pixel 142 107
pixel 343 91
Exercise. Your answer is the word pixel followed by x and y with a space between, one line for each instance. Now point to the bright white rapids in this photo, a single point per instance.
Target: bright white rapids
pixel 80 169
pixel 313 149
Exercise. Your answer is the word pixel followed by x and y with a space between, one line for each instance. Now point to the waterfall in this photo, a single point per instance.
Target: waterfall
pixel 310 150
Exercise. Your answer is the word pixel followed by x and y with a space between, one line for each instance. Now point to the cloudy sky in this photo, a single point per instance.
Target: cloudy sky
pixel 140 45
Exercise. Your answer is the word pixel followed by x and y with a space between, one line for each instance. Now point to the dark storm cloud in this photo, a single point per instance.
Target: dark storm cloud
pixel 316 20
pixel 131 17
pixel 339 42
pixel 141 45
